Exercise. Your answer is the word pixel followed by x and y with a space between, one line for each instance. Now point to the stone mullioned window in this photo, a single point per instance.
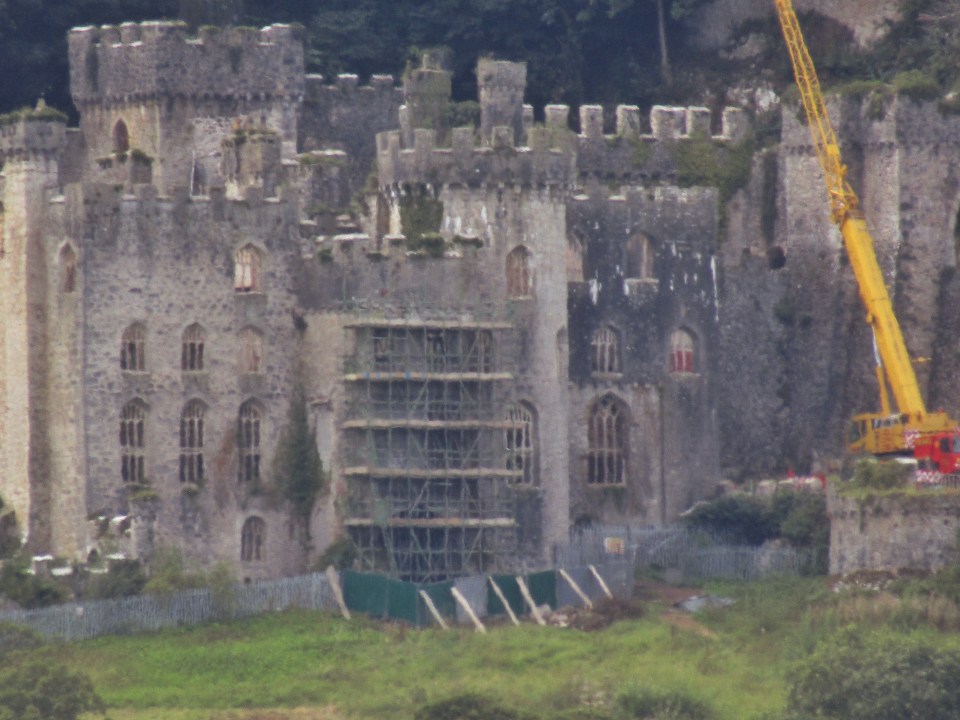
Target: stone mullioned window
pixel 607 443
pixel 133 442
pixel 191 443
pixel 133 348
pixel 191 356
pixel 248 436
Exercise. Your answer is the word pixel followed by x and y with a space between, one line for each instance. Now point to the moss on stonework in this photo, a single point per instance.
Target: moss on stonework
pixel 32 114
pixel 701 161
pixel 420 218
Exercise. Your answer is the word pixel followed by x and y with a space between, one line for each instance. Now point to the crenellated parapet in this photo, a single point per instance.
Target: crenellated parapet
pixel 346 88
pixel 139 61
pixel 32 137
pixel 548 159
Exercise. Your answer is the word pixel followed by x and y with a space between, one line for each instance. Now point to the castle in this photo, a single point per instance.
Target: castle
pixel 500 330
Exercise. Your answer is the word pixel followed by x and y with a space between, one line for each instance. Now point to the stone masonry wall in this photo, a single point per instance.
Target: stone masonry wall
pixel 892 532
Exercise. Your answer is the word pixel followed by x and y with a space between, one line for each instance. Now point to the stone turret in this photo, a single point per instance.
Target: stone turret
pixel 426 92
pixel 501 85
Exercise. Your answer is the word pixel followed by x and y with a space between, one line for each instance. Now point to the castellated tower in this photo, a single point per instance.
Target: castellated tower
pixel 35 399
pixel 151 88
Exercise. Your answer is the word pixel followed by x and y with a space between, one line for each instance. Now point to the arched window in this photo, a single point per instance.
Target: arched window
pixel 121 137
pixel 248 437
pixel 639 257
pixel 68 269
pixel 248 270
pixel 191 354
pixel 252 540
pixel 251 350
pixel 521 442
pixel 132 348
pixel 607 443
pixel 132 442
pixel 605 351
pixel 519 282
pixel 682 352
pixel 574 260
pixel 191 443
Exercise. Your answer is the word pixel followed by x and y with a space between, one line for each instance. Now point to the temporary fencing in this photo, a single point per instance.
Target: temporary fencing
pixel 77 621
pixel 693 555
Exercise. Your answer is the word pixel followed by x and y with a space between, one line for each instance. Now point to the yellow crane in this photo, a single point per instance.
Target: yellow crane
pixel 910 427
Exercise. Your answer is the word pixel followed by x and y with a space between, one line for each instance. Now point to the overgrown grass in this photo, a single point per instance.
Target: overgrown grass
pixel 362 669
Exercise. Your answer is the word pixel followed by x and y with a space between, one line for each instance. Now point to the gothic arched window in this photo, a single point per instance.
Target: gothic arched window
pixel 68 269
pixel 248 270
pixel 252 540
pixel 251 350
pixel 682 352
pixel 519 281
pixel 639 257
pixel 248 441
pixel 191 443
pixel 132 442
pixel 521 442
pixel 191 354
pixel 121 137
pixel 132 348
pixel 607 443
pixel 605 351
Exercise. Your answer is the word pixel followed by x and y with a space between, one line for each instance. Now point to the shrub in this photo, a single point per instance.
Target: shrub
pixel 853 677
pixel 169 573
pixel 469 706
pixel 644 703
pixel 916 84
pixel 38 690
pixel 25 588
pixel 872 475
pixel 124 579
pixel 738 518
pixel 341 553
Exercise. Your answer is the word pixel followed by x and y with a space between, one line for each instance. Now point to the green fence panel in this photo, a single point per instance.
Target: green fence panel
pixel 543 588
pixel 366 593
pixel 402 601
pixel 511 591
pixel 442 599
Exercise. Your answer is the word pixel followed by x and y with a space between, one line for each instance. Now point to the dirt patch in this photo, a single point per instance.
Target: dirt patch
pixel 685 622
pixel 604 613
pixel 660 592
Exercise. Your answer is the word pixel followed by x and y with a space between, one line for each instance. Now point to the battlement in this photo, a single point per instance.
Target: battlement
pixel 346 86
pixel 549 158
pixel 32 137
pixel 136 61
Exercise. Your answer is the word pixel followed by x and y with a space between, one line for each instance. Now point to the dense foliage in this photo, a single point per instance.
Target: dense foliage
pixel 297 464
pixel 853 677
pixel 39 690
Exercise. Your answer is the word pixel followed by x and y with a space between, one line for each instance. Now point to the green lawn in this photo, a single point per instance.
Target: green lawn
pixel 367 670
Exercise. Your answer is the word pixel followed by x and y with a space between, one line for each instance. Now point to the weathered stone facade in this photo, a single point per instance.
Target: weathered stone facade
pixel 512 329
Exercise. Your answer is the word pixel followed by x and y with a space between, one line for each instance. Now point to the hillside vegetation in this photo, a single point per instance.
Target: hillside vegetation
pixel 759 658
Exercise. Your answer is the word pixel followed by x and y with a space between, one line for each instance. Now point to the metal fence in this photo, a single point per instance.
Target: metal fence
pixel 77 621
pixel 692 554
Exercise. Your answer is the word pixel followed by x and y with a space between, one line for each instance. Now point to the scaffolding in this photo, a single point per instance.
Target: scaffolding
pixel 429 493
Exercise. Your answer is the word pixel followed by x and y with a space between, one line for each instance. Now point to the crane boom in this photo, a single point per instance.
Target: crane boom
pixel 876 432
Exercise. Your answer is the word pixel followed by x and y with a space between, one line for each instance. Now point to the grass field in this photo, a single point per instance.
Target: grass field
pixel 304 666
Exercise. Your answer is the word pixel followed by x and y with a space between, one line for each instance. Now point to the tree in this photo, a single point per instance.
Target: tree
pixel 873 677
pixel 39 690
pixel 297 465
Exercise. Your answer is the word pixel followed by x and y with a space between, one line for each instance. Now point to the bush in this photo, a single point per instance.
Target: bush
pixel 341 553
pixel 643 703
pixel 26 589
pixel 169 573
pixel 853 677
pixel 469 706
pixel 124 579
pixel 870 474
pixel 737 518
pixel 38 690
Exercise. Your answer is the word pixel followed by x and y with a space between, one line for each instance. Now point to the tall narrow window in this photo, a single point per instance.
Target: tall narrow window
pixel 68 269
pixel 519 282
pixel 132 348
pixel 191 443
pixel 248 269
pixel 248 436
pixel 251 350
pixel 132 443
pixel 639 257
pixel 252 540
pixel 607 443
pixel 574 260
pixel 521 442
pixel 605 351
pixel 682 352
pixel 121 137
pixel 191 354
